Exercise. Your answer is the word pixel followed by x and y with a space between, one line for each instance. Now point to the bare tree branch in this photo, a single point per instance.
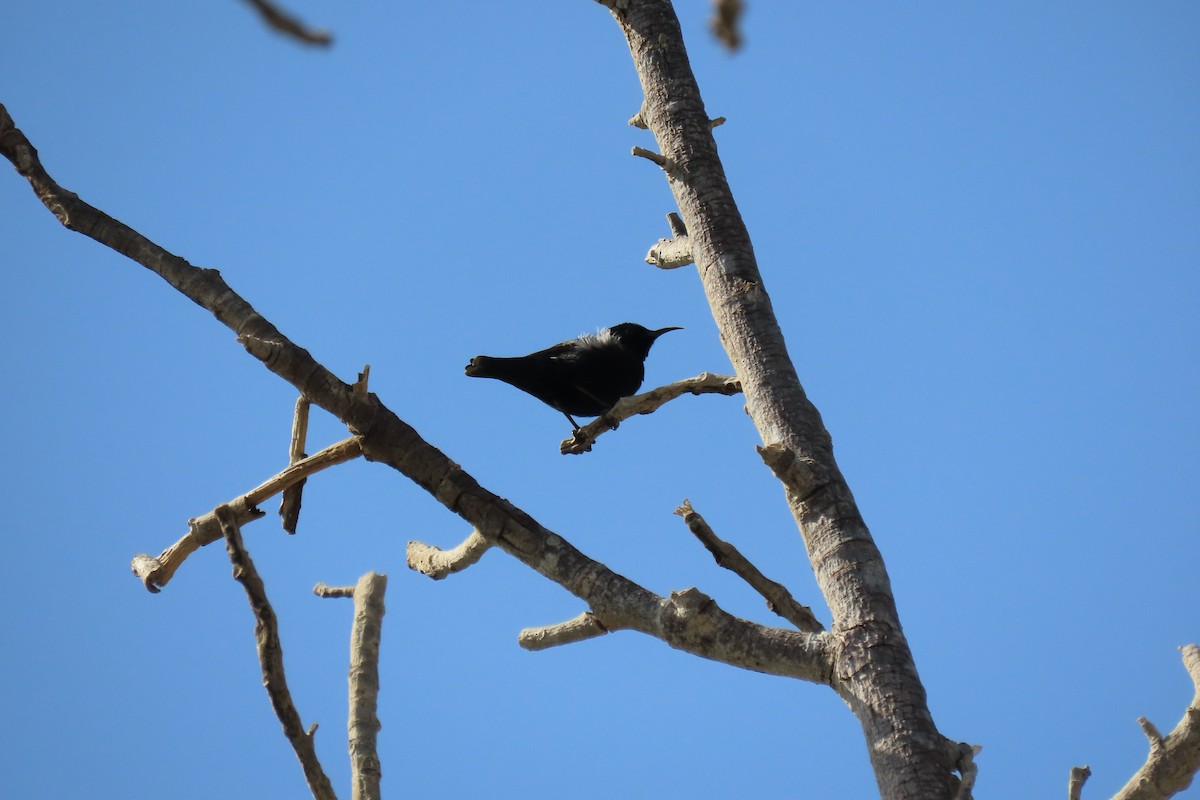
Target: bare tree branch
pixel 290 25
pixel 778 598
pixel 1174 758
pixel 270 656
pixel 664 162
pixel 363 724
pixel 726 22
pixel 289 506
pixel 586 626
pixel 1079 776
pixel 157 572
pixel 877 676
pixel 646 403
pixel 674 252
pixel 707 631
pixel 438 563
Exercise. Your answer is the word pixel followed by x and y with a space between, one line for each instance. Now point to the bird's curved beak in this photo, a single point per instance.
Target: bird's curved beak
pixel 661 331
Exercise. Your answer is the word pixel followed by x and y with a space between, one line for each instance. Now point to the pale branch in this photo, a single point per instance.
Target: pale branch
pixel 778 598
pixel 1079 776
pixel 325 590
pixel 156 573
pixel 674 252
pixel 1175 758
pixel 586 626
pixel 664 162
pixel 289 506
pixel 363 724
pixel 877 676
pixel 639 121
pixel 290 25
pixel 726 22
pixel 270 655
pixel 438 563
pixel 386 438
pixel 646 403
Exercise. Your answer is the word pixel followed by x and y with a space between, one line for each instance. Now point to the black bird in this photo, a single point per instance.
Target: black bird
pixel 584 376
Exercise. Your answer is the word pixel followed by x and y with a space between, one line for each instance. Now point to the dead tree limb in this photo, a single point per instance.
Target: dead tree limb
pixel 778 598
pixel 156 572
pixel 270 656
pixel 363 722
pixel 703 629
pixel 1174 758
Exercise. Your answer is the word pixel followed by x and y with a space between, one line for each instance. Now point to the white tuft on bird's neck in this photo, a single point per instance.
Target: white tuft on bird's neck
pixel 600 338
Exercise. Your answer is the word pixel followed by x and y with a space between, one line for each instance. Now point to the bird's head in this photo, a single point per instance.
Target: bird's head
pixel 637 338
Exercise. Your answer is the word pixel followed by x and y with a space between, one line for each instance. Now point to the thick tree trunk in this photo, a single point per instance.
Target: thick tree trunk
pixel 874 668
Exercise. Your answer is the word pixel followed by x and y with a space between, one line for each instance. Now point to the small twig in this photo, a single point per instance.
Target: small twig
pixel 647 402
pixel 726 22
pixel 778 598
pixel 664 162
pixel 157 572
pixel 1174 759
pixel 270 655
pixel 360 385
pixel 364 680
pixel 324 590
pixel 438 563
pixel 1079 776
pixel 289 506
pixel 290 25
pixel 586 626
pixel 716 122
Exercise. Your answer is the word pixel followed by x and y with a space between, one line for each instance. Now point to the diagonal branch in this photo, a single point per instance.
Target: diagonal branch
pixel 702 629
pixel 1175 758
pixel 647 403
pixel 778 598
pixel 290 25
pixel 881 683
pixel 270 656
pixel 157 572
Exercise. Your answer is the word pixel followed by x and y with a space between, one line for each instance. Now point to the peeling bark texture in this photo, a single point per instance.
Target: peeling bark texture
pixel 875 673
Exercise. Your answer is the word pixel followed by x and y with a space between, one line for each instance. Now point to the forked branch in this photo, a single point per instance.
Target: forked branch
pixel 384 437
pixel 156 573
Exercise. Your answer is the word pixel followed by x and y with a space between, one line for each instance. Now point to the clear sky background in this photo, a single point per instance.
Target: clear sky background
pixel 979 224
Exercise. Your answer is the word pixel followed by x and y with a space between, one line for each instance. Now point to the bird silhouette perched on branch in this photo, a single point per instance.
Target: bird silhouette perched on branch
pixel 584 376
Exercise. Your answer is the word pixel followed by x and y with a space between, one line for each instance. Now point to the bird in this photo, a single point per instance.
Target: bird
pixel 585 376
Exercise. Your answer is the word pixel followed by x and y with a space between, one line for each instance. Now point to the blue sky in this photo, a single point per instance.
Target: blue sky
pixel 980 227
